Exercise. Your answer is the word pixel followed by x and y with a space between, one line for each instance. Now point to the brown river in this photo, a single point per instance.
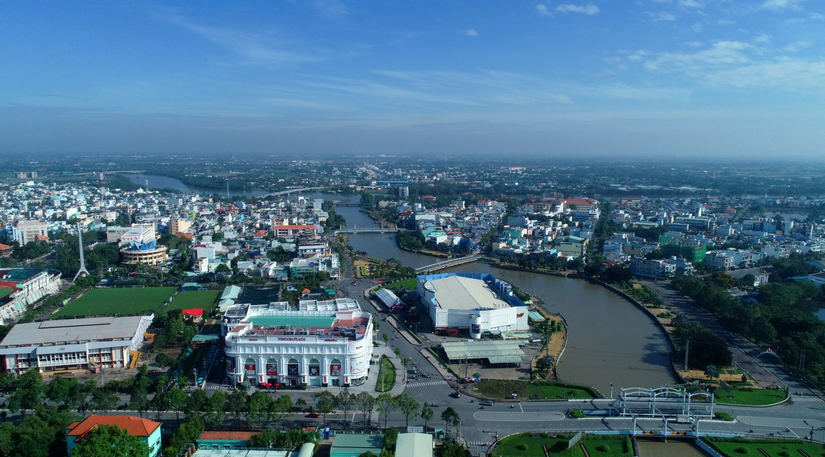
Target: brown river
pixel 610 340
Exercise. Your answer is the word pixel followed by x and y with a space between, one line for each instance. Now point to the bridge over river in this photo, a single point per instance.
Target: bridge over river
pixel 447 264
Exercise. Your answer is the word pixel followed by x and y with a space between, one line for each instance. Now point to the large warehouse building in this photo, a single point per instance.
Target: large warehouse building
pixel 477 302
pixel 68 344
pixel 323 343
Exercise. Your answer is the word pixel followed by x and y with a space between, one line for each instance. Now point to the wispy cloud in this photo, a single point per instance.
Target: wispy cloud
pixel 660 16
pixel 542 9
pixel 470 32
pixel 744 65
pixel 777 5
pixel 589 9
pixel 254 47
pixel 691 4
pixel 331 9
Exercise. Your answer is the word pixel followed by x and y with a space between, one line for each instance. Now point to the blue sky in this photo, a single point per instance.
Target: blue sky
pixel 680 78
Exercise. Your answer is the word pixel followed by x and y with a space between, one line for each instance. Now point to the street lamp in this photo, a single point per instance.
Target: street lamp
pixel 811 437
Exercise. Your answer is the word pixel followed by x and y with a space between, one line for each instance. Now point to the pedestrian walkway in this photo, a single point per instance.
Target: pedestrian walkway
pixel 479 443
pixel 426 383
pixel 797 398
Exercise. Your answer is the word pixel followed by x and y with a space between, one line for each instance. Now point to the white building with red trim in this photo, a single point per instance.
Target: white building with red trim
pixel 323 343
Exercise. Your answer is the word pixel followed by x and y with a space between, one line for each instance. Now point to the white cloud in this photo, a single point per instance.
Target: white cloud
pixel 543 10
pixel 470 32
pixel 691 4
pixel 777 5
pixel 255 47
pixel 693 44
pixel 661 16
pixel 798 46
pixel 762 38
pixel 589 9
pixel 720 54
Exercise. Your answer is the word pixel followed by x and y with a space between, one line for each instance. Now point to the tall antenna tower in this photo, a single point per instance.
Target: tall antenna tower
pixel 82 271
pixel 102 190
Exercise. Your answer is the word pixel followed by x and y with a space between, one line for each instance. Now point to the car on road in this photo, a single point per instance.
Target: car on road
pixel 486 403
pixel 313 415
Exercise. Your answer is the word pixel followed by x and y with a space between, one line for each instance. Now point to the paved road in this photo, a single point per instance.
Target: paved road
pixel 764 371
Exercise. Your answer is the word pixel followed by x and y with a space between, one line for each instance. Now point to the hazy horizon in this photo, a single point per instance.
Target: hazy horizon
pixel 318 78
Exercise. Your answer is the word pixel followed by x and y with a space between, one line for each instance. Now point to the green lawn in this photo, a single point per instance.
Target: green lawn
pixel 774 448
pixel 5 291
pixel 501 389
pixel 110 302
pixel 754 397
pixel 408 284
pixel 386 375
pixel 195 299
pixel 531 445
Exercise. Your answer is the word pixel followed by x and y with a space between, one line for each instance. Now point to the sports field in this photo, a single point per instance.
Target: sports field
pixel 194 299
pixel 121 302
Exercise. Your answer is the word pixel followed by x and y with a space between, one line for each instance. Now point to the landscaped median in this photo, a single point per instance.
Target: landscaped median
pixel 738 447
pixel 534 444
pixel 750 397
pixel 386 375
pixel 540 390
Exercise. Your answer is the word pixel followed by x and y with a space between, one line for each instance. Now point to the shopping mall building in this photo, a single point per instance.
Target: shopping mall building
pixel 322 343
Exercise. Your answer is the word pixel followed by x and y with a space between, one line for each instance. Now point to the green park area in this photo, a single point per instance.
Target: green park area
pixel 752 397
pixel 407 284
pixel 121 302
pixel 541 390
pixel 386 375
pixel 195 299
pixel 739 447
pixel 533 444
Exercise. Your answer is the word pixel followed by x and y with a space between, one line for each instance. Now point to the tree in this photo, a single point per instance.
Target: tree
pixel 450 417
pixel 365 403
pixel 109 440
pixel 29 391
pixel 385 404
pixel 408 406
pixel 139 401
pixel 236 404
pixel 185 434
pixel 259 408
pixel 344 401
pixel 454 449
pixel 711 372
pixel 216 408
pixel 426 414
pixel 385 337
pixel 196 402
pixel 390 438
pixel 104 400
pixel 58 390
pixel 280 408
pixel 325 402
pixel 177 401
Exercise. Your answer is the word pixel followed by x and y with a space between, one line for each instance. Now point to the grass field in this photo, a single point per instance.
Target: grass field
pixel 501 389
pixel 755 397
pixel 121 302
pixel 776 448
pixel 386 375
pixel 529 445
pixel 5 291
pixel 408 284
pixel 194 299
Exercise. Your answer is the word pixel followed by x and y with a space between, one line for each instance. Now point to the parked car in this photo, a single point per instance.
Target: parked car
pixel 486 403
pixel 313 415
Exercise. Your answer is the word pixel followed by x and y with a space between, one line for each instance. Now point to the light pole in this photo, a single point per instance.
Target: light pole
pixel 811 437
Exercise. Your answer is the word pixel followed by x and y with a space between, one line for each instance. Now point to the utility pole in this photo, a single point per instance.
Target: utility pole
pixel 687 349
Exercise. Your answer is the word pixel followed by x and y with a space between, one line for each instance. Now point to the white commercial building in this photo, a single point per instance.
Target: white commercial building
pixel 323 343
pixel 65 344
pixel 479 303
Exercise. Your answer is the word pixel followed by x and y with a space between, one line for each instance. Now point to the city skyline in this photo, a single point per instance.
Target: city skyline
pixel 655 78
